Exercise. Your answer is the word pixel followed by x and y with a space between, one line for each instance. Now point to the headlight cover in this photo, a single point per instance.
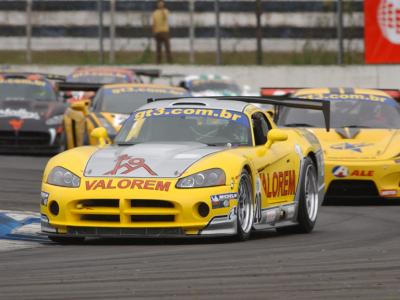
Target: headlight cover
pixel 207 178
pixel 55 120
pixel 63 177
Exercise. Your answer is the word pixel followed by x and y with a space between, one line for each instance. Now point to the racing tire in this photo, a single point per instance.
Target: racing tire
pixel 245 207
pixel 66 240
pixel 308 201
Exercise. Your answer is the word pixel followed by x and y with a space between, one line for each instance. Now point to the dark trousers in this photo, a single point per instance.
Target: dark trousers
pixel 163 38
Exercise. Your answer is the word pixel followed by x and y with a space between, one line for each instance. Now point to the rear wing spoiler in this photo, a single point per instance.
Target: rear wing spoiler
pixel 79 86
pixel 314 104
pixel 151 73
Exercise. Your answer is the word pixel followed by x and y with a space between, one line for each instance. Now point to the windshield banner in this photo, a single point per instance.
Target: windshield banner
pixel 223 114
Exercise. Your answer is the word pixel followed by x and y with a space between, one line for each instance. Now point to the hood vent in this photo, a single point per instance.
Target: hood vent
pixel 347 133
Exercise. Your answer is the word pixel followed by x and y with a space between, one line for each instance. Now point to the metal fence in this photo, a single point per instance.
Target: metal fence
pixel 217 25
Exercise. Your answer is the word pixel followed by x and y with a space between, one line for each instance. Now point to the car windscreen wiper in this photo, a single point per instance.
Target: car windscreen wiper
pixel 126 144
pixel 298 125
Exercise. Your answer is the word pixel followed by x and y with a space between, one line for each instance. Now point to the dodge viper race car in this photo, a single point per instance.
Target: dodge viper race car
pixel 104 75
pixel 30 114
pixel 362 153
pixel 187 167
pixel 109 109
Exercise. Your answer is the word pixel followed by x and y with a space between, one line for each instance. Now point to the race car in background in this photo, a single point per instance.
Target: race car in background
pixel 188 167
pixel 109 109
pixel 362 153
pixel 213 85
pixel 31 115
pixel 104 75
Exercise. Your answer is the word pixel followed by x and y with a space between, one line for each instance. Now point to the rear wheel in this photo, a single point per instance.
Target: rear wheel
pixel 308 203
pixel 245 207
pixel 67 240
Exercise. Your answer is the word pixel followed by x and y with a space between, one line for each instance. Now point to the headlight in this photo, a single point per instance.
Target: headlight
pixel 110 129
pixel 55 120
pixel 62 177
pixel 211 177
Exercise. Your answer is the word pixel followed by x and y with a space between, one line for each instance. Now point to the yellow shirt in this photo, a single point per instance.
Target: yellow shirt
pixel 160 20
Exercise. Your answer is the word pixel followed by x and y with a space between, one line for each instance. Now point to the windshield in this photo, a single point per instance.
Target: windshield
pixel 23 89
pixel 345 113
pixel 214 127
pixel 125 100
pixel 215 85
pixel 98 78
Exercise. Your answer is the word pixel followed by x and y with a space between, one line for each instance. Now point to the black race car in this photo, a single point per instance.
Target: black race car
pixel 31 115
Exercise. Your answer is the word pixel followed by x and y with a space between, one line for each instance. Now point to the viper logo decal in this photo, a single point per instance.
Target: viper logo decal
pixel 129 164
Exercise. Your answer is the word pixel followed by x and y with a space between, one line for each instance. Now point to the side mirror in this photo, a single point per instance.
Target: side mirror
pixel 270 112
pixel 79 105
pixel 275 135
pixel 100 134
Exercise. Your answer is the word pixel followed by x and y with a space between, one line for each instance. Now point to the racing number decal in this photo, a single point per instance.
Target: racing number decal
pixel 130 164
pixel 257 212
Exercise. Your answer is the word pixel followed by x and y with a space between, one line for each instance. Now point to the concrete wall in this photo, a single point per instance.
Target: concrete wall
pixel 378 76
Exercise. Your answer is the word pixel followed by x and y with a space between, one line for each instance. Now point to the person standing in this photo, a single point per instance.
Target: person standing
pixel 161 31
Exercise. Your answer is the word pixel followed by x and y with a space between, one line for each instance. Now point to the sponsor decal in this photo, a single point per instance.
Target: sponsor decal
pixel 129 164
pixel 350 96
pixel 16 124
pixel 279 184
pixel 362 173
pixel 132 184
pixel 222 200
pixel 202 112
pixel 388 193
pixel 351 147
pixel 340 171
pixel 23 81
pixel 144 89
pixel 20 113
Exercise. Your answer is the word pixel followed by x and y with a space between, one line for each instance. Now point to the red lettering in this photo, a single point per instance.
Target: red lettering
pixel 275 184
pixel 137 183
pixel 90 185
pixel 129 164
pixel 285 183
pixel 124 184
pixel 355 173
pixel 109 185
pixel 370 173
pixel 100 184
pixel 280 191
pixel 269 187
pixel 292 182
pixel 264 184
pixel 149 184
pixel 162 186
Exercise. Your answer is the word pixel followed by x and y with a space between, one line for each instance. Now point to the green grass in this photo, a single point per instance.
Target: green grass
pixel 307 57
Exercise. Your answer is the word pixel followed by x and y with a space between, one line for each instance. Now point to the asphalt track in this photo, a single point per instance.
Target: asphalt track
pixel 354 253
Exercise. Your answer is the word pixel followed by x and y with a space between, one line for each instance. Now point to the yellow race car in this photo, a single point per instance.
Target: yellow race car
pixel 111 106
pixel 187 167
pixel 362 153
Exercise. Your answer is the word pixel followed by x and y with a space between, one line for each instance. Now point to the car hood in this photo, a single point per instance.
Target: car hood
pixel 159 160
pixel 214 93
pixel 356 143
pixel 30 109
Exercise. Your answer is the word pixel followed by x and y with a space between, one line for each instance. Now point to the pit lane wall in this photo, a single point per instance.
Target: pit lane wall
pixel 372 76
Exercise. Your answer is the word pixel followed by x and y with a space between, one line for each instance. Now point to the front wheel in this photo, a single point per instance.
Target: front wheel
pixel 245 207
pixel 308 203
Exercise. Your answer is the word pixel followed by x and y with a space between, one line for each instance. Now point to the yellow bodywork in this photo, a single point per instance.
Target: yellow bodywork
pixel 373 155
pixel 274 171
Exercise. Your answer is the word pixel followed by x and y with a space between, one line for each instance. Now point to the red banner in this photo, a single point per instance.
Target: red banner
pixel 382 31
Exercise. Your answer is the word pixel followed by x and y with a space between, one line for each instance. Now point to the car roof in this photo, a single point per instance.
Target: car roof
pixel 207 77
pixel 200 102
pixel 110 70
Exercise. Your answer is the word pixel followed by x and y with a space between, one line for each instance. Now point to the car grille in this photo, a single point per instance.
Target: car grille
pixel 24 138
pixel 124 211
pixel 352 189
